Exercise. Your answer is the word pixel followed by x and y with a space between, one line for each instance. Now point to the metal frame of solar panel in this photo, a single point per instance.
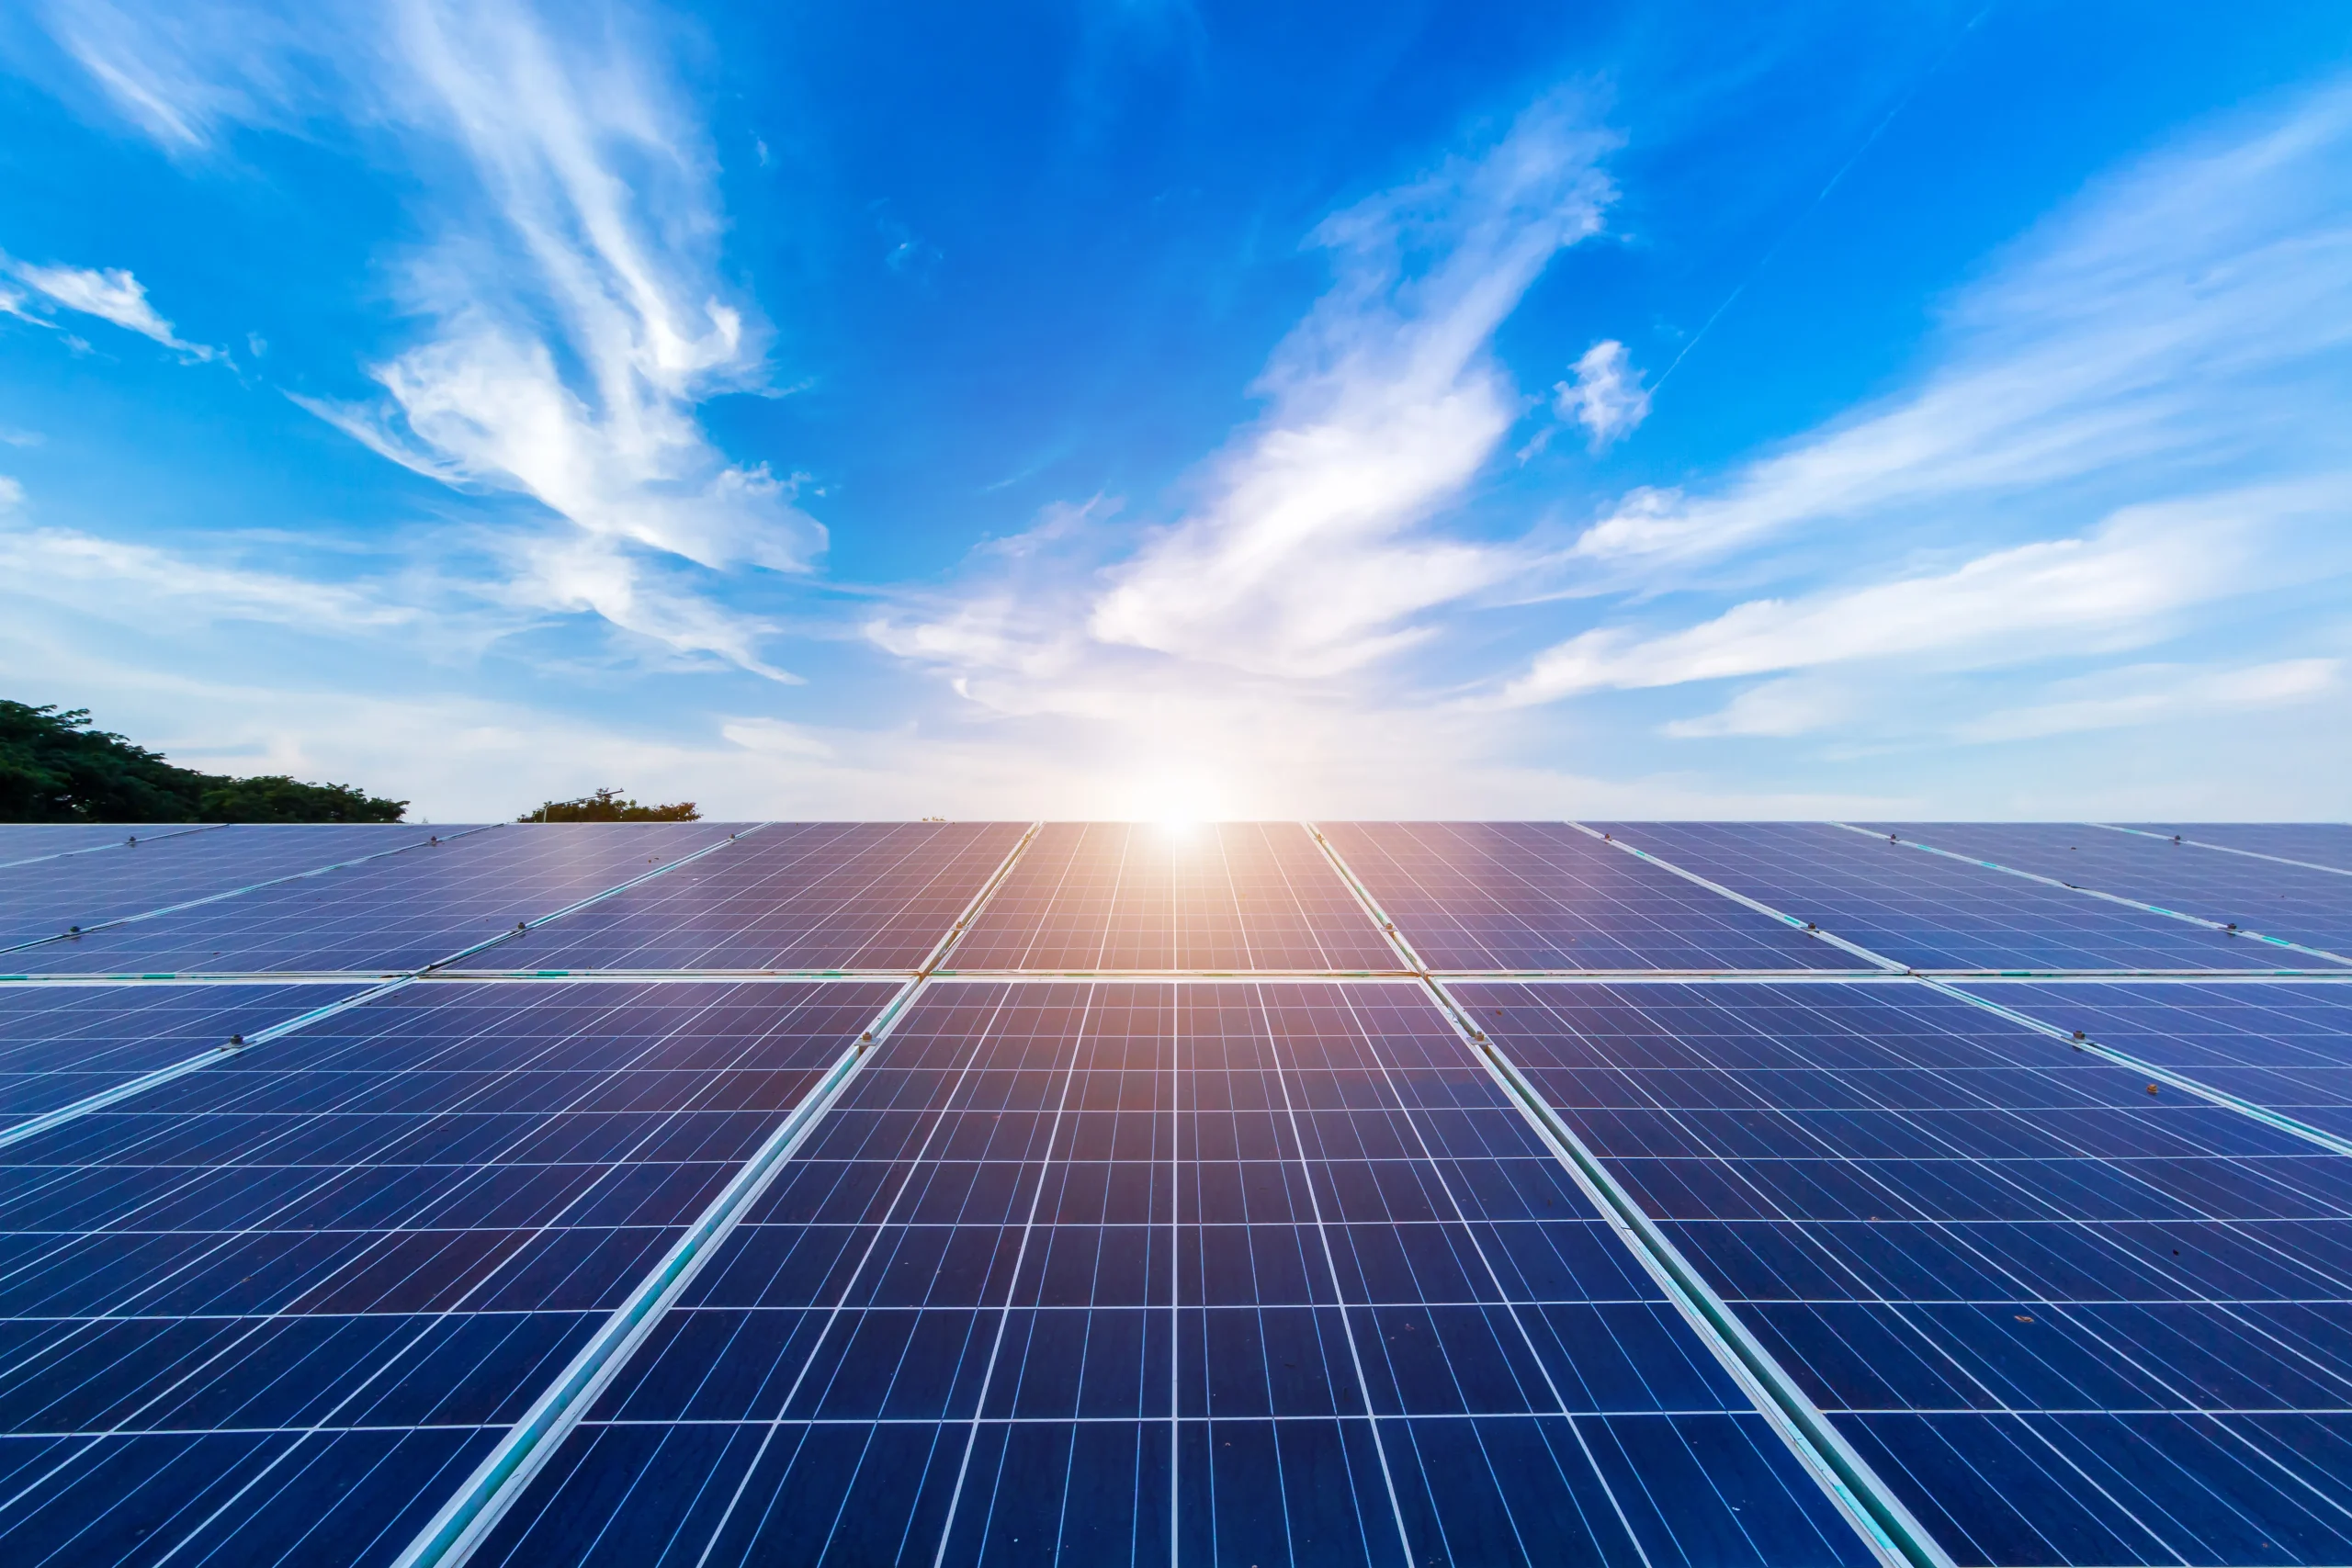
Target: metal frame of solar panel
pixel 1368 1193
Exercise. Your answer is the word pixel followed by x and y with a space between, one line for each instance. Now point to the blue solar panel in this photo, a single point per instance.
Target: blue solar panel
pixel 809 896
pixel 1543 896
pixel 398 913
pixel 1228 896
pixel 2069 1322
pixel 21 841
pixel 2282 1045
pixel 1147 1272
pixel 1930 912
pixel 275 1310
pixel 2292 902
pixel 2322 843
pixel 44 897
pixel 59 1044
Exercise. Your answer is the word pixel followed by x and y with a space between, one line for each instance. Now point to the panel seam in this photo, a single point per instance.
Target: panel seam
pixel 237 1044
pixel 2224 849
pixel 131 842
pixel 459 1528
pixel 2227 927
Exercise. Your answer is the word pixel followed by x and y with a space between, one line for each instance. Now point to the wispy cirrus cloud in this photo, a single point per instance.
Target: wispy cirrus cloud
pixel 111 294
pixel 2121 585
pixel 2160 323
pixel 570 308
pixel 1310 552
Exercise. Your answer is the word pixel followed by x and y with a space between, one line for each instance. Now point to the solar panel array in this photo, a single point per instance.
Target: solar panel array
pixel 1256 1193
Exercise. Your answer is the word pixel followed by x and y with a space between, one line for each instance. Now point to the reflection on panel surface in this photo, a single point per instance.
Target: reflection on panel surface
pixel 61 1043
pixel 1930 912
pixel 2292 902
pixel 1137 1272
pixel 277 1310
pixel 793 895
pixel 2069 1321
pixel 401 912
pixel 1543 896
pixel 1120 896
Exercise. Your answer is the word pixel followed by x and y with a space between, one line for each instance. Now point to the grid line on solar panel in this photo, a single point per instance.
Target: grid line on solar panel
pixel 1104 1251
pixel 2324 844
pixel 1986 1257
pixel 38 902
pixel 1139 897
pixel 24 843
pixel 2283 1047
pixel 365 1252
pixel 434 904
pixel 2292 907
pixel 2224 849
pixel 1542 896
pixel 845 896
pixel 60 1045
pixel 1928 912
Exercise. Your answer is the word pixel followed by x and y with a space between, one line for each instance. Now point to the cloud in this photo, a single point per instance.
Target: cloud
pixel 2157 693
pixel 1607 397
pixel 569 304
pixel 2162 324
pixel 111 294
pixel 2117 586
pixel 115 580
pixel 1307 556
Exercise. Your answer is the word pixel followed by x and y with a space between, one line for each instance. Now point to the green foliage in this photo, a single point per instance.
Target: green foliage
pixel 607 806
pixel 55 768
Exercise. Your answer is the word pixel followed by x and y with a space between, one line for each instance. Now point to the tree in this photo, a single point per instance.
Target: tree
pixel 55 768
pixel 607 806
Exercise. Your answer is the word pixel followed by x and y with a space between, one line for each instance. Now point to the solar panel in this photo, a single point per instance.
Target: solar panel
pixel 400 912
pixel 44 897
pixel 2067 1321
pixel 2323 843
pixel 1117 895
pixel 2292 902
pixel 1209 1234
pixel 278 1307
pixel 2285 1046
pixel 22 841
pixel 1929 912
pixel 1133 1272
pixel 1543 896
pixel 60 1044
pixel 816 895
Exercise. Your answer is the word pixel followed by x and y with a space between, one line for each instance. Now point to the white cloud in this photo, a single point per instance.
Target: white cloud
pixel 572 306
pixel 1607 397
pixel 2161 323
pixel 2159 693
pixel 1307 556
pixel 2117 586
pixel 111 294
pixel 119 580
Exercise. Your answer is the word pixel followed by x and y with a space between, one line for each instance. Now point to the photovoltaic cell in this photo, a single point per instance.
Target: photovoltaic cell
pixel 1142 1272
pixel 806 896
pixel 2322 843
pixel 24 841
pixel 275 1310
pixel 2288 901
pixel 61 1043
pixel 2285 1046
pixel 2067 1321
pixel 399 913
pixel 45 898
pixel 1116 896
pixel 1543 896
pixel 1929 912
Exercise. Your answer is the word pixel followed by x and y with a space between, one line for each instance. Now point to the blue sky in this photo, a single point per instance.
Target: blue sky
pixel 1893 410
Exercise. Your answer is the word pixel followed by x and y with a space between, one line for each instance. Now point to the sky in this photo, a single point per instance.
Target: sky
pixel 1895 409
